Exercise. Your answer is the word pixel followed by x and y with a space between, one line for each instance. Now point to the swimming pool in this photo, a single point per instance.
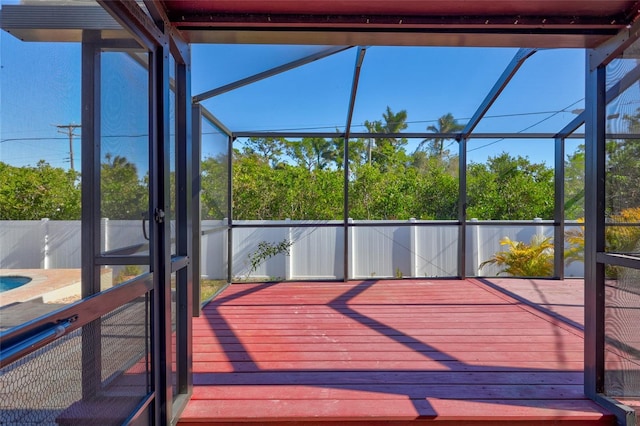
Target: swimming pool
pixel 10 282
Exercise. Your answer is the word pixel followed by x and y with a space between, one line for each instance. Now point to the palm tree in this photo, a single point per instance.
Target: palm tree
pixel 394 122
pixel 446 124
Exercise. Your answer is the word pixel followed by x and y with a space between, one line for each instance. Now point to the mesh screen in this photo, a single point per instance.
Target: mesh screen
pixel 622 313
pixel 622 233
pixel 174 325
pixel 46 387
pixel 622 153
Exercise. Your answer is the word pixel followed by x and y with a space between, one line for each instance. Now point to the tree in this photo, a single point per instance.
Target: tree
pixel 270 149
pixel 357 151
pixel 214 182
pixel 622 175
pixel 312 153
pixel 124 195
pixel 43 191
pixel 435 146
pixel 623 169
pixel 388 151
pixel 574 184
pixel 510 188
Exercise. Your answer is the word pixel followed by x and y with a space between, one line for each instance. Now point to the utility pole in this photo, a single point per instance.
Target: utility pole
pixel 68 129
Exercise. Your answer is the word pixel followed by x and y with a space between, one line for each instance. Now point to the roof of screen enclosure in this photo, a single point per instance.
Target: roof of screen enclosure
pixel 529 24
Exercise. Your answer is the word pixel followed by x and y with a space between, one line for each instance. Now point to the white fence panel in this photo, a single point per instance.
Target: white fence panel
pixel 436 253
pixel 213 249
pixel 245 243
pixel 381 251
pixel 22 244
pixel 64 244
pixel 484 241
pixel 118 234
pixel 317 253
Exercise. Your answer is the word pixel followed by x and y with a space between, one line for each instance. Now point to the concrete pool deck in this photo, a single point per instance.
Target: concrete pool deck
pixel 48 290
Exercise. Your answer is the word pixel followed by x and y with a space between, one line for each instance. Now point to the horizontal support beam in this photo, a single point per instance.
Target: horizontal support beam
pixel 376 21
pixel 258 134
pixel 624 260
pixel 82 313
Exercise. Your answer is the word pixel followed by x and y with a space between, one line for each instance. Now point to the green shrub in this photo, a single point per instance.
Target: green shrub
pixel 524 260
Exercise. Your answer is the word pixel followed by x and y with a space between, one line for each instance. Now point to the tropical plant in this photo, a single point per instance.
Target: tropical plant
pixel 388 151
pixel 618 238
pixel 524 260
pixel 621 238
pixel 446 124
pixel 575 239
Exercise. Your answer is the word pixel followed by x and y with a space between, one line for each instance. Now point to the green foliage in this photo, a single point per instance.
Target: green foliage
pixel 618 239
pixel 399 274
pixel 574 184
pixel 312 153
pixel 213 181
pixel 267 149
pixel 124 194
pixel 43 191
pixel 267 250
pixel 524 260
pixel 128 272
pixel 387 152
pixel 624 239
pixel 510 188
pixel 622 175
pixel 275 179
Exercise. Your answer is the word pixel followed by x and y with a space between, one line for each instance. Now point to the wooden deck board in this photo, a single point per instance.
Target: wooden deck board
pixel 384 352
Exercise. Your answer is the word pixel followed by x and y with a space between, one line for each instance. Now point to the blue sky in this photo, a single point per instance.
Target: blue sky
pixel 40 88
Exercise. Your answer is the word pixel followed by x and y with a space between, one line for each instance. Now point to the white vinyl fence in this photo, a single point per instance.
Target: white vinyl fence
pixel 379 249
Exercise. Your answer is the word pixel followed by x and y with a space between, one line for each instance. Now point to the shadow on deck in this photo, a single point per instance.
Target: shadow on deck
pixel 386 353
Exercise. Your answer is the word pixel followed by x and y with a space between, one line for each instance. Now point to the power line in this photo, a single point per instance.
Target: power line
pixel 529 127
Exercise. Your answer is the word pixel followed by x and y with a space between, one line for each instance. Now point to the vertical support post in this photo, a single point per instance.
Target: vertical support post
pixel 160 235
pixel 186 280
pixel 462 208
pixel 230 209
pixel 413 244
pixel 345 210
pixel 196 231
pixel 475 246
pixel 90 225
pixel 45 243
pixel 105 232
pixel 288 260
pixel 594 228
pixel 352 255
pixel 558 211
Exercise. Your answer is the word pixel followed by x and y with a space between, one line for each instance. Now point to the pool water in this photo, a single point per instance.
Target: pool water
pixel 9 283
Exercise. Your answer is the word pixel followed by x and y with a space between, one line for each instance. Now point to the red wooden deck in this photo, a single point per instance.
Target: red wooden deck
pixel 385 353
